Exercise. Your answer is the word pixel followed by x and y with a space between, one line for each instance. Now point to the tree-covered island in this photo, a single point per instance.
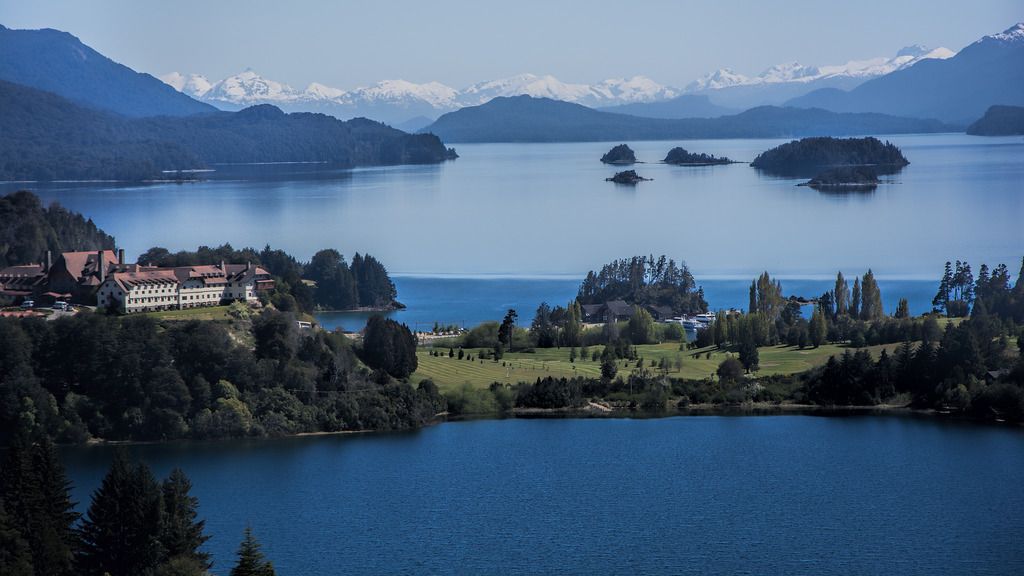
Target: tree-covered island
pixel 619 155
pixel 810 156
pixel 680 157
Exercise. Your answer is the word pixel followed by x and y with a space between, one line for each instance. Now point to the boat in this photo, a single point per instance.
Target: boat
pixel 692 324
pixel 705 318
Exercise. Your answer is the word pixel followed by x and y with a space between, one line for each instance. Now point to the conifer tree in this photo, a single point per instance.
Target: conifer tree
pixel 181 533
pixel 53 537
pixel 251 561
pixel 120 534
pixel 15 558
pixel 35 489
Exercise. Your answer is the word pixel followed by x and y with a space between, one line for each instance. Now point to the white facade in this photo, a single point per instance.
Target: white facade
pixel 145 290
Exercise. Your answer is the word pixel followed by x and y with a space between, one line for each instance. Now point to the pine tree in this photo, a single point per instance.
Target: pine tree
pixel 54 539
pixel 251 561
pixel 120 534
pixel 941 299
pixel 35 492
pixel 181 532
pixel 15 557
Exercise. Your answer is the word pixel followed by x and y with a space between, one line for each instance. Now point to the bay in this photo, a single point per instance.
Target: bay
pixel 683 495
pixel 545 209
pixel 468 301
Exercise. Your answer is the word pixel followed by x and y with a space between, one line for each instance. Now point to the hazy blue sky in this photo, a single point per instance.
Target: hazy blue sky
pixel 345 43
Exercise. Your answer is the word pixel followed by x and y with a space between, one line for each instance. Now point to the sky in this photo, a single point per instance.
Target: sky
pixel 356 43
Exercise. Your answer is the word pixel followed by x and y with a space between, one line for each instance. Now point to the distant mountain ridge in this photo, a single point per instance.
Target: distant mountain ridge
pixel 60 63
pixel 397 101
pixel 956 90
pixel 999 121
pixel 47 137
pixel 528 119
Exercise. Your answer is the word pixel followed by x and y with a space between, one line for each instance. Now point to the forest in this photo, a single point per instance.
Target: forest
pixel 135 525
pixel 644 281
pixel 134 378
pixel 28 230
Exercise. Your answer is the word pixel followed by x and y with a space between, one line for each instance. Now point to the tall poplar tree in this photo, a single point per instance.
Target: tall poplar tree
pixel 842 295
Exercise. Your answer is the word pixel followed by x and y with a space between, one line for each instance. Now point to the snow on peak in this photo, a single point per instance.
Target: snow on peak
pixel 795 72
pixel 249 88
pixel 402 91
pixel 635 89
pixel 721 78
pixel 318 91
pixel 195 85
pixel 1013 34
pixel 791 72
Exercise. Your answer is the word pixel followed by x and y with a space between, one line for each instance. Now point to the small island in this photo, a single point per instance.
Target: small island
pixel 810 156
pixel 627 177
pixel 620 154
pixel 680 157
pixel 845 179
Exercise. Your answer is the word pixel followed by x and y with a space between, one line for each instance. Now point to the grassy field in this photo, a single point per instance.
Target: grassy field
pixel 449 373
pixel 206 313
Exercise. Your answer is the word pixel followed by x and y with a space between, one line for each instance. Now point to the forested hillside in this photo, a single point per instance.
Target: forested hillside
pixel 28 230
pixel 49 138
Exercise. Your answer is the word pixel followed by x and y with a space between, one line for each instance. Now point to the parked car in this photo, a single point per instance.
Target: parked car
pixel 63 306
pixel 28 304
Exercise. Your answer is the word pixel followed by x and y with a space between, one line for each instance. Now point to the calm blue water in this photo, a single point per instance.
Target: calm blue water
pixel 689 495
pixel 470 301
pixel 545 209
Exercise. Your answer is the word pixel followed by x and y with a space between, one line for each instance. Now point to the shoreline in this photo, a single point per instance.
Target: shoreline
pixel 598 410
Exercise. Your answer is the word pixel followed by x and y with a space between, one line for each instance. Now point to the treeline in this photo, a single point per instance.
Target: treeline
pixel 28 230
pixel 48 138
pixel 809 156
pixel 333 284
pixel 131 378
pixel 135 524
pixel 679 155
pixel 644 281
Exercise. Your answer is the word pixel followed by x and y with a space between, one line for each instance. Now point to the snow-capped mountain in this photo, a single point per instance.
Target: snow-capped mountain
pixel 1011 35
pixel 796 72
pixel 397 101
pixel 608 93
pixel 194 85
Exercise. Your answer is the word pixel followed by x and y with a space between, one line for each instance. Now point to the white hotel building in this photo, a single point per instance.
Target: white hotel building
pixel 134 288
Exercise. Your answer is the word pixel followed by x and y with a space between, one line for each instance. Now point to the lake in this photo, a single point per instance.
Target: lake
pixel 543 209
pixel 683 495
pixel 468 301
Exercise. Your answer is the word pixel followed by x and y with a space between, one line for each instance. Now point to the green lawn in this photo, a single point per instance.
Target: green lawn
pixel 449 373
pixel 206 313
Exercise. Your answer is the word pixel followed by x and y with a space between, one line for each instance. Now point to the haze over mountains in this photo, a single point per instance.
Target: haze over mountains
pixel 958 89
pixel 398 101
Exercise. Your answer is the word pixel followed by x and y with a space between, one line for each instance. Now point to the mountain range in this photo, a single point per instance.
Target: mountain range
pixel 956 90
pixel 48 137
pixel 399 101
pixel 529 119
pixel 58 62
